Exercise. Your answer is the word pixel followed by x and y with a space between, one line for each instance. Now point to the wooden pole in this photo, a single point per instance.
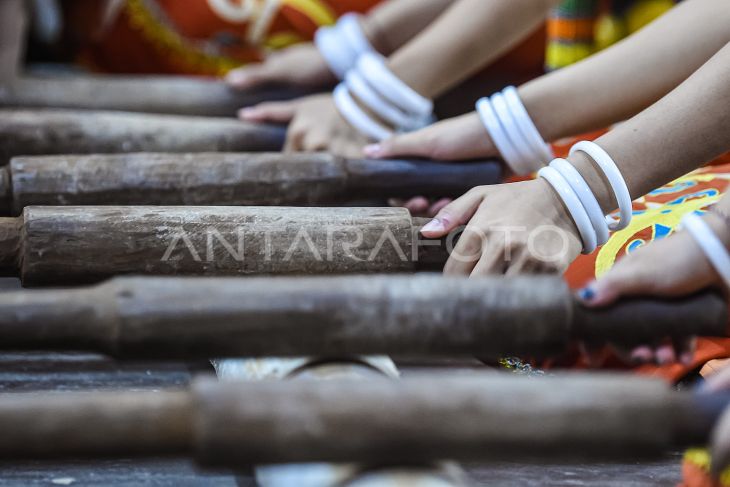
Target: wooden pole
pixel 41 132
pixel 77 244
pixel 339 474
pixel 229 179
pixel 13 24
pixel 413 316
pixel 174 95
pixel 410 420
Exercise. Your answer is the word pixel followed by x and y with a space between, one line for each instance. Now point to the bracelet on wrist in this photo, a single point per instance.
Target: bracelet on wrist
pixel 342 44
pixel 513 132
pixel 372 85
pixel 618 185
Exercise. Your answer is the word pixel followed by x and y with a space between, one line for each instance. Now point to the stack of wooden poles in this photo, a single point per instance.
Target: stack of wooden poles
pixel 288 267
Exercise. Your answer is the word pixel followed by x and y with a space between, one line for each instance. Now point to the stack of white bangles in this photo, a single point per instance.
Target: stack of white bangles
pixel 342 44
pixel 593 225
pixel 371 84
pixel 513 132
pixel 712 247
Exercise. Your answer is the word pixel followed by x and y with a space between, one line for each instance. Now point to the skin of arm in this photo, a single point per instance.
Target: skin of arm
pixel 388 26
pixel 465 38
pixel 683 130
pixel 603 89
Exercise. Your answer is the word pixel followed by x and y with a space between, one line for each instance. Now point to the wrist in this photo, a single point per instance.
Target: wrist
pixel 555 210
pixel 596 180
pixel 375 34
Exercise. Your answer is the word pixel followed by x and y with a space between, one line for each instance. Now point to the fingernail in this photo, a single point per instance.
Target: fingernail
pixel 587 294
pixel 248 112
pixel 373 150
pixel 234 76
pixel 434 225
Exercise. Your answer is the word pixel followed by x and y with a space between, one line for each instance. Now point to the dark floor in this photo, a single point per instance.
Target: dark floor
pixel 32 372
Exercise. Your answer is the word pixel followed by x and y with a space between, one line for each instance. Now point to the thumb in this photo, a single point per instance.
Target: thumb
pixel 249 76
pixel 274 111
pixel 624 279
pixel 453 215
pixel 409 144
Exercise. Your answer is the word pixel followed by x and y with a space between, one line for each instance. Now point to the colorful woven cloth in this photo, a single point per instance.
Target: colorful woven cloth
pixel 205 37
pixel 696 470
pixel 579 28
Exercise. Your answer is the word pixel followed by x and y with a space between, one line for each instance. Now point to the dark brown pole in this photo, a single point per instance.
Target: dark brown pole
pixel 229 179
pixel 13 23
pixel 41 132
pixel 430 417
pixel 407 316
pixel 73 244
pixel 174 95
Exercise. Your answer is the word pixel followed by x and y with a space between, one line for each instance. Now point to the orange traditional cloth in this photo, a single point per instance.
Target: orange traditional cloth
pixel 204 37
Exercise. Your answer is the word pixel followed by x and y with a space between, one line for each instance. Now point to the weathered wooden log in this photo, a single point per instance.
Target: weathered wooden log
pixel 40 132
pixel 412 316
pixel 378 420
pixel 228 179
pixel 13 23
pixel 174 95
pixel 339 474
pixel 73 244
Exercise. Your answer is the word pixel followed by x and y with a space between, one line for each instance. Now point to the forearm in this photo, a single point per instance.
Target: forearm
pixel 624 79
pixel 393 23
pixel 468 36
pixel 679 133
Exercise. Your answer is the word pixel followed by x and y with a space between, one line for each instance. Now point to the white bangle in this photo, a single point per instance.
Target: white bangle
pixel 373 68
pixel 342 44
pixel 711 246
pixel 586 197
pixel 499 137
pixel 354 115
pixel 368 96
pixel 615 179
pixel 522 148
pixel 526 126
pixel 338 55
pixel 577 212
pixel 351 31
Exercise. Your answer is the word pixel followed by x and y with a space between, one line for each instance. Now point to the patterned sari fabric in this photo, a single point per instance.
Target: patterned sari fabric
pixel 656 216
pixel 579 28
pixel 204 37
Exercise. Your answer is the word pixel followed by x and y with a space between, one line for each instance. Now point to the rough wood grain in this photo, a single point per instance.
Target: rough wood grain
pixel 70 244
pixel 41 132
pixel 406 316
pixel 335 475
pixel 229 179
pixel 174 95
pixel 66 372
pixel 415 419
